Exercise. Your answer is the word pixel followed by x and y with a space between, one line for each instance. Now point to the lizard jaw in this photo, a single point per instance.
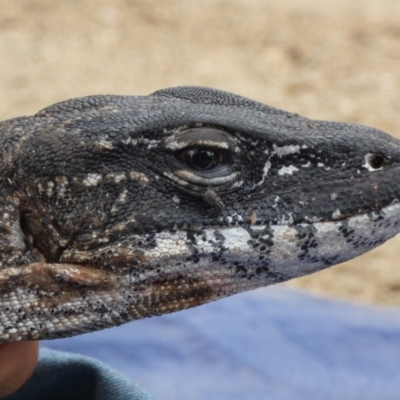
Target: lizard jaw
pixel 68 298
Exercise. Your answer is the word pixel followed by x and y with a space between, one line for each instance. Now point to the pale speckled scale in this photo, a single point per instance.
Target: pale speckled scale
pixel 116 208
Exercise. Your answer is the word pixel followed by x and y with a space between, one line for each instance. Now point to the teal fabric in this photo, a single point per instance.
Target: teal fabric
pixel 64 376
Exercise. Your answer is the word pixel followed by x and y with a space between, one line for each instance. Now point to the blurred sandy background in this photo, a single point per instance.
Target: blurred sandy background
pixel 335 60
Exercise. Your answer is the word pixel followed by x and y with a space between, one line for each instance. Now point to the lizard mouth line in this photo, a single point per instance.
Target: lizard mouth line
pixel 322 243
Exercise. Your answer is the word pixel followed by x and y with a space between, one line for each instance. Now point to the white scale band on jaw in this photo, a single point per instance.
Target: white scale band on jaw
pixel 283 255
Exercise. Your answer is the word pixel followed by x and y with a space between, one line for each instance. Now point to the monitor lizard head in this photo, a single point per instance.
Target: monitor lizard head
pixel 117 208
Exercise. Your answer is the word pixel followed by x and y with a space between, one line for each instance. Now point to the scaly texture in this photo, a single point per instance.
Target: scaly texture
pixel 116 208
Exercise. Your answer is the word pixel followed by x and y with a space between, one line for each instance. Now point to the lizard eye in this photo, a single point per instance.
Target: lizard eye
pixel 204 159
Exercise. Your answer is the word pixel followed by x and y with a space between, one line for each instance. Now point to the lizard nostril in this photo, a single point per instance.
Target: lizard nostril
pixel 374 161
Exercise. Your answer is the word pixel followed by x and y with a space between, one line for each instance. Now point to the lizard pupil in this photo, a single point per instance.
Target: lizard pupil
pixel 202 159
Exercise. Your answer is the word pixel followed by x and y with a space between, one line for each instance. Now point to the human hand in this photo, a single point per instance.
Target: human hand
pixel 17 362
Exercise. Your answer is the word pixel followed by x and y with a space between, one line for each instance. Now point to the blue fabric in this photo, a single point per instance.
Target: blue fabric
pixel 63 376
pixel 274 343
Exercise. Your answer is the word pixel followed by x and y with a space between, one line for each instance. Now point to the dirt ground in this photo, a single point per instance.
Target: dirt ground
pixel 335 60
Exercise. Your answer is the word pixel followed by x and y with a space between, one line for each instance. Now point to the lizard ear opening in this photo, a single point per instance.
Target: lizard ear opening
pixel 37 237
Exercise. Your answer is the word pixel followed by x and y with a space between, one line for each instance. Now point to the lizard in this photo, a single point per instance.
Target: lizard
pixel 116 208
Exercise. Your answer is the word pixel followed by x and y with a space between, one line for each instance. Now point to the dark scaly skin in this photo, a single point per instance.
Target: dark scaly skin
pixel 117 208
